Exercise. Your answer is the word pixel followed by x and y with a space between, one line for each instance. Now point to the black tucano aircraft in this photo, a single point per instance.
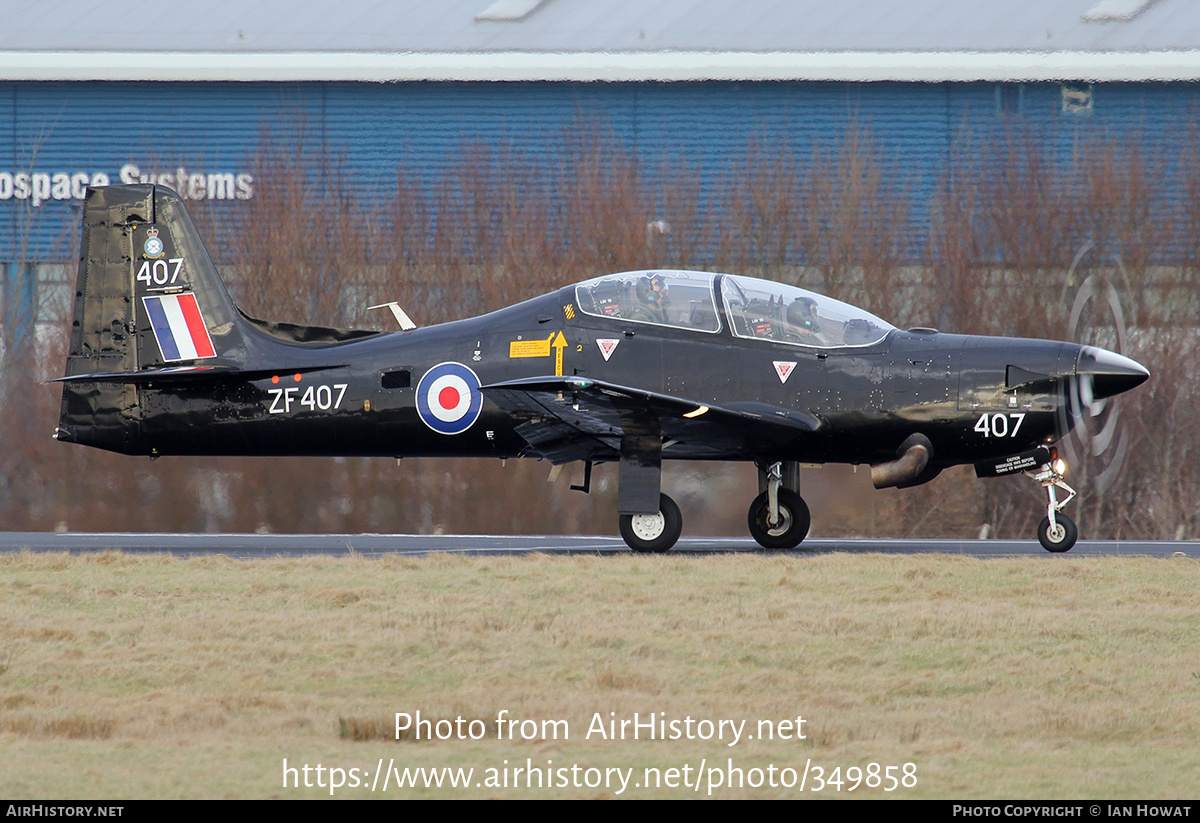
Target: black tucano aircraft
pixel 631 368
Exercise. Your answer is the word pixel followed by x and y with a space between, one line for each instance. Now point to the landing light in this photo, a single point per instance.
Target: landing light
pixel 1059 466
pixel 697 412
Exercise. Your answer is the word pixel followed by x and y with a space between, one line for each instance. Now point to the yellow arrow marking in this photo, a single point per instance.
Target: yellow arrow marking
pixel 559 343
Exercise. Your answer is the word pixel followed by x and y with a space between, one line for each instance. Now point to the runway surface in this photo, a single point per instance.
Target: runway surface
pixel 371 545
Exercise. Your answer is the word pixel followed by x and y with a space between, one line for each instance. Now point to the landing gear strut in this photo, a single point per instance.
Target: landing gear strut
pixel 1056 532
pixel 778 517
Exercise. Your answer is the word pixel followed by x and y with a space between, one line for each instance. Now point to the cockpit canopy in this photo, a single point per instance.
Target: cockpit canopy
pixel 679 299
pixel 757 309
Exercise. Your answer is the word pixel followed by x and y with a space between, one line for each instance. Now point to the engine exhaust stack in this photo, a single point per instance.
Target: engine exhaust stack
pixel 913 456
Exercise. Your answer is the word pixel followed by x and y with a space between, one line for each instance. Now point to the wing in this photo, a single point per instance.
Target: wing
pixel 577 418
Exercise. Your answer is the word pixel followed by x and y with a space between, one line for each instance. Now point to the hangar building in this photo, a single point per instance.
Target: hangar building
pixel 183 92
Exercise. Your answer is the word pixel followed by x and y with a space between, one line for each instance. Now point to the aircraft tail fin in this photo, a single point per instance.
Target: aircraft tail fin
pixel 151 310
pixel 148 297
pixel 148 294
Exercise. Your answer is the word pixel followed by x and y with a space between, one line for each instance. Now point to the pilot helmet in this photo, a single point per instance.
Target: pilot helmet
pixel 802 312
pixel 652 289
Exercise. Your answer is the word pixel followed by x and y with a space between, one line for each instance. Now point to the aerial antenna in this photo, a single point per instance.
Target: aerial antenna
pixel 402 318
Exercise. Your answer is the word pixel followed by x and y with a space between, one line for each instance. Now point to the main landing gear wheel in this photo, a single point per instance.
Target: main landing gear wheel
pixel 793 524
pixel 653 532
pixel 1060 538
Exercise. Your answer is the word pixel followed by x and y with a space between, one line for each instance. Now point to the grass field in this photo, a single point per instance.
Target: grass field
pixel 1046 677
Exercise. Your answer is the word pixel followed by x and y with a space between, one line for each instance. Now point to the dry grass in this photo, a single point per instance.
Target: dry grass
pixel 1057 677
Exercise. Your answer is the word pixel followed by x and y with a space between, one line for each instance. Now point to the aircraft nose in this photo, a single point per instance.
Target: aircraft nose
pixel 1110 373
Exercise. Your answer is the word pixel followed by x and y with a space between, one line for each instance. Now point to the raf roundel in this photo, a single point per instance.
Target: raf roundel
pixel 448 398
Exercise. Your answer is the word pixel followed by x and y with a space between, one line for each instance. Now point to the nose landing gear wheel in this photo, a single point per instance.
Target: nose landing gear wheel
pixel 1062 537
pixel 653 532
pixel 793 524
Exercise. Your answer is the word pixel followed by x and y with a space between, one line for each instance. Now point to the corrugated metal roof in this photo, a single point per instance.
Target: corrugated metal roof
pixel 679 39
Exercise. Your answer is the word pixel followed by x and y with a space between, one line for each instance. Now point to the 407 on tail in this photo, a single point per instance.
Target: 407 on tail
pixel 635 368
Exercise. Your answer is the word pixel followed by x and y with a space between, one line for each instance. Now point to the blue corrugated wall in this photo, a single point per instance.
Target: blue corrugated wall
pixel 214 128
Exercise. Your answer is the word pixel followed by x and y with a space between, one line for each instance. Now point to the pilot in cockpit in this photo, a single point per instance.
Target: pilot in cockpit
pixel 652 300
pixel 802 317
